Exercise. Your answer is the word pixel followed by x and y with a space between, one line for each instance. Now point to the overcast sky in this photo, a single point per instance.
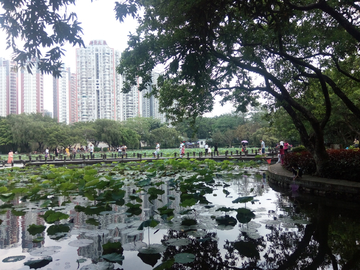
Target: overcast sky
pixel 98 22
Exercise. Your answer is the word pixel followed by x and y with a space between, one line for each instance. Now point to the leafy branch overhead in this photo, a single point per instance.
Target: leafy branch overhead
pixel 243 50
pixel 42 27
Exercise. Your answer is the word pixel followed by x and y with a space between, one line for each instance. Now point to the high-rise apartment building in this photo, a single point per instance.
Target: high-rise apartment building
pixel 9 96
pixel 98 84
pixel 32 90
pixel 65 97
pixel 150 105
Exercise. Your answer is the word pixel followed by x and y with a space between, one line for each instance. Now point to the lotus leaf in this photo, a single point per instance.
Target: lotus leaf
pixel 248 249
pixel 60 228
pixel 154 192
pixel 184 258
pixel 92 221
pixel 81 243
pixel 148 223
pixel 165 265
pixel 14 259
pixel 39 263
pixel 35 229
pixel 114 257
pixel 150 259
pixel 243 199
pixel 188 222
pixel 114 247
pixel 244 215
pixel 51 216
pixel 226 220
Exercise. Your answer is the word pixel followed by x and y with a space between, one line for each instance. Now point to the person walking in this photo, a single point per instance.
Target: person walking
pixel 47 152
pixel 67 151
pixel 206 148
pixel 286 147
pixel 356 143
pixel 91 148
pixel 157 149
pixel 10 157
pixel 180 147
pixel 282 154
pixel 182 153
pixel 216 152
pixel 74 152
pixel 262 147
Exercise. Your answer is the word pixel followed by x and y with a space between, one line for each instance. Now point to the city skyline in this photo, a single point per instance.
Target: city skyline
pixel 96 26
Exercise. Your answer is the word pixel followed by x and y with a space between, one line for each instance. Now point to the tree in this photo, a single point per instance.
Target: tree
pixel 143 126
pixel 167 137
pixel 244 49
pixel 39 25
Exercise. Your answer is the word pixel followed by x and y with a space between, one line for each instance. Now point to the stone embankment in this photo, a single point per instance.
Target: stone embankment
pixel 333 188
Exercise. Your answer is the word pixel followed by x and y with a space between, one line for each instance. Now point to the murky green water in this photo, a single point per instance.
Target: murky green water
pixel 277 229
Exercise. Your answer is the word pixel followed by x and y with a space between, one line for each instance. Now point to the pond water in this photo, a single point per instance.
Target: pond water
pixel 211 216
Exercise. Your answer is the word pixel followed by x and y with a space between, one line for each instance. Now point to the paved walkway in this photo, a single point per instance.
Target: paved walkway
pixel 343 189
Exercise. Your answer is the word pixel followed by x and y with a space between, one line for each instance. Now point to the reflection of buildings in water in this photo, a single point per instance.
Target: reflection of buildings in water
pixel 10 229
pixel 31 217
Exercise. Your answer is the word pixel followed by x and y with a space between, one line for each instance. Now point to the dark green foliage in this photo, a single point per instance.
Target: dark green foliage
pixel 226 220
pixel 35 229
pixel 247 249
pixel 299 148
pixel 58 228
pixel 343 164
pixel 112 252
pixel 51 216
pixel 244 215
pixel 188 222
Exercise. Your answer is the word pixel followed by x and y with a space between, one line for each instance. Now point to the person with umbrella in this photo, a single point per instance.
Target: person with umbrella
pixel 243 143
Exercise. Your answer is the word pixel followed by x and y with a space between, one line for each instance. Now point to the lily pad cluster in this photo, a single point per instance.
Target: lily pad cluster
pixel 128 186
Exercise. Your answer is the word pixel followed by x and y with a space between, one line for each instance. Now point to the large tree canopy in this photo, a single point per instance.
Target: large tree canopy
pixel 243 50
pixel 37 29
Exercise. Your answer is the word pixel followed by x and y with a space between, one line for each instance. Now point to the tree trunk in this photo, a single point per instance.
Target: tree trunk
pixel 316 147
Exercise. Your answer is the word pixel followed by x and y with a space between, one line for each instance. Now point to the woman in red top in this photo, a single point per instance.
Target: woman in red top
pixel 282 153
pixel 286 147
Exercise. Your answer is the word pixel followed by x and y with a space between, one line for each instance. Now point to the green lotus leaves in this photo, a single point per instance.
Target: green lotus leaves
pixel 51 216
pixel 154 192
pixel 244 215
pixel 247 249
pixel 165 265
pixel 92 221
pixel 35 229
pixel 148 223
pixel 226 220
pixel 184 258
pixel 243 199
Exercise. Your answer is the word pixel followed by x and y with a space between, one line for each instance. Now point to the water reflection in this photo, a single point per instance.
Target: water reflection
pixel 288 230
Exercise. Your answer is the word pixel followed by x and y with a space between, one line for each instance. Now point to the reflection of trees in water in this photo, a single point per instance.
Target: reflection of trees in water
pixel 329 242
pixel 206 251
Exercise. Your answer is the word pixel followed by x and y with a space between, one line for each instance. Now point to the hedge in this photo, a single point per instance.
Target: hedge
pixel 344 164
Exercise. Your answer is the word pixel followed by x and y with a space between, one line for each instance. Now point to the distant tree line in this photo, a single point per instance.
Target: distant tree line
pixel 34 132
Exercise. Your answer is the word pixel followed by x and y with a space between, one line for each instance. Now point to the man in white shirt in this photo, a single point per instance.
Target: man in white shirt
pixel 181 145
pixel 206 148
pixel 91 148
pixel 157 149
pixel 262 147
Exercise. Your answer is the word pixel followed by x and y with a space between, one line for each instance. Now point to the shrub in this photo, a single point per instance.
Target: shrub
pixel 343 164
pixel 97 149
pixel 299 148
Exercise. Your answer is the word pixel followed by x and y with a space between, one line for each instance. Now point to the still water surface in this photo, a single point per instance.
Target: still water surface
pixel 286 231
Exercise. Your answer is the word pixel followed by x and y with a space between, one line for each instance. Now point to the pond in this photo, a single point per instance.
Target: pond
pixel 169 214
